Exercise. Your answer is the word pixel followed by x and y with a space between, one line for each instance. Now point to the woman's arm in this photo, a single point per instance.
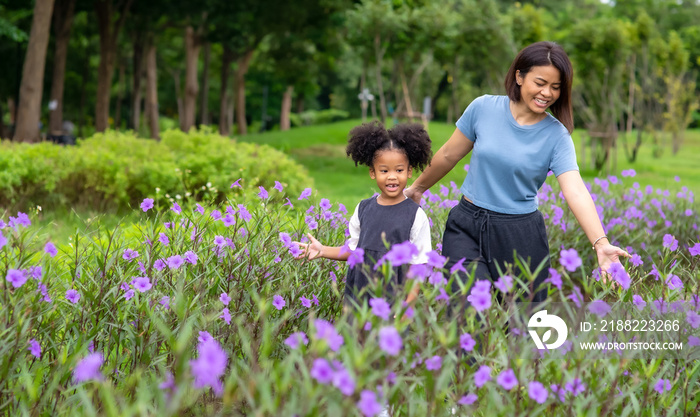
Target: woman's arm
pixel 581 204
pixel 456 148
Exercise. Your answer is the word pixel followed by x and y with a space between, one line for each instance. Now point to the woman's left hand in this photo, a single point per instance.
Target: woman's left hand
pixel 608 255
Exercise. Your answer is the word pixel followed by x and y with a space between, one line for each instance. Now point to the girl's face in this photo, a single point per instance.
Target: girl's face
pixel 539 88
pixel 391 170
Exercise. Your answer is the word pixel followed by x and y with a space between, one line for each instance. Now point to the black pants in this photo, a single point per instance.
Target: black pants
pixel 487 239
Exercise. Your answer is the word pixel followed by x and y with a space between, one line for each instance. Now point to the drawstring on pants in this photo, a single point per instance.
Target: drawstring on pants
pixel 484 230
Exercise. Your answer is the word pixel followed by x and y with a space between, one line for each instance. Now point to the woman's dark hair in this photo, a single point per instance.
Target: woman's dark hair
pixel 540 54
pixel 369 138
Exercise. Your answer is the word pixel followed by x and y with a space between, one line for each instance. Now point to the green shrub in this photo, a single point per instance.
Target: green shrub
pixel 115 170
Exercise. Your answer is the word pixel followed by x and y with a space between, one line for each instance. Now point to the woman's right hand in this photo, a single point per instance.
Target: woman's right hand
pixel 413 194
pixel 311 250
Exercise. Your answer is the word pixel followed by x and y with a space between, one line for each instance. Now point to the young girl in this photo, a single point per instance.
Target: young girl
pixel 385 217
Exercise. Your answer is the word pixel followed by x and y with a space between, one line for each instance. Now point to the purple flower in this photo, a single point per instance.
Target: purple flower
pixel 670 242
pixel 305 194
pixel 243 213
pixel 468 399
pixel 434 363
pixel 295 250
pixel 694 250
pixel 199 209
pixel 263 194
pixel 295 338
pixel 159 264
pixel 130 254
pixel 49 248
pixel 480 296
pixel 327 332
pixel 466 342
pixel 163 238
pixel 436 260
pixel 537 392
pixel 482 376
pixel 142 284
pixel 401 253
pixel 175 262
pixel 129 294
pixel 617 271
pixel 225 298
pixel 3 239
pixel 599 307
pixel 278 302
pixel 204 337
pixel 693 341
pixel 570 259
pixel 575 387
pixel 16 277
pixel 356 257
pixel 147 204
pixel 662 385
pixel 368 404
pixel 311 222
pixel 305 302
pixel 325 204
pixel 88 368
pixel 380 308
pixel 216 215
pixel 34 348
pixel 191 257
pixel 343 381
pixel 321 371
pixel 390 340
pixel 237 183
pixel 554 278
pixel 636 260
pixel 673 282
pixel 638 302
pixel 419 272
pixel 314 299
pixel 209 366
pixel 459 266
pixel 285 239
pixel 73 296
pixel 176 208
pixel 504 283
pixel 576 296
pixel 226 315
pixel 278 186
pixel 693 319
pixel 165 302
pixel 507 379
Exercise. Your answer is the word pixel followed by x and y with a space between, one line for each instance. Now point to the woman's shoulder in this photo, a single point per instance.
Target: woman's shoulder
pixel 488 101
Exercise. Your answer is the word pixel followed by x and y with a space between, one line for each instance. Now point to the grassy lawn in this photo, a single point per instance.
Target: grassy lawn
pixel 321 149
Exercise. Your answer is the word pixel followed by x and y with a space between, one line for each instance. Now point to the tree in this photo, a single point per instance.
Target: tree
pixel 62 23
pixel 111 15
pixel 31 89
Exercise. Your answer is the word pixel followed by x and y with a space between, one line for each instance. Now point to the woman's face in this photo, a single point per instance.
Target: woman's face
pixel 539 88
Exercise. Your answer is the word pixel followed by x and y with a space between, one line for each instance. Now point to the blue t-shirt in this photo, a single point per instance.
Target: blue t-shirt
pixel 510 161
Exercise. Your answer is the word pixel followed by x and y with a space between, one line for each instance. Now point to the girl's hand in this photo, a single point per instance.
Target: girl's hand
pixel 414 195
pixel 311 250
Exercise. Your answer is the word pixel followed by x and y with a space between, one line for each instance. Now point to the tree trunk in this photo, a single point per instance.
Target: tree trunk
pixel 243 63
pixel 152 91
pixel 121 86
pixel 379 54
pixel 2 123
pixel 109 30
pixel 224 126
pixel 192 47
pixel 29 111
pixel 300 103
pixel 136 95
pixel 62 23
pixel 286 108
pixel 205 85
pixel 231 106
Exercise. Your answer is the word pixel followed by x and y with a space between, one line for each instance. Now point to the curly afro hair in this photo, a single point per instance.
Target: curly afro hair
pixel 369 138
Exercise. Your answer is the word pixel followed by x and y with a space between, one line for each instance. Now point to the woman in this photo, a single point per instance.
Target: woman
pixel 515 143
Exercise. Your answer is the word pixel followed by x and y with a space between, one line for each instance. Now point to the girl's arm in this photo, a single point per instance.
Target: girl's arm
pixel 456 148
pixel 315 250
pixel 581 204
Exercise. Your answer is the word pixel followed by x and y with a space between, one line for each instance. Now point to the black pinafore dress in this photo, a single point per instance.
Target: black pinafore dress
pixel 377 224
